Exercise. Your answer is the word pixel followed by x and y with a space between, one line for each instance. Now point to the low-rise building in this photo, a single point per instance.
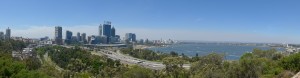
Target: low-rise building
pixel 25 53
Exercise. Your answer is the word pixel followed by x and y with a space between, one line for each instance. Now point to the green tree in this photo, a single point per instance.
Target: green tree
pixel 138 72
pixel 291 62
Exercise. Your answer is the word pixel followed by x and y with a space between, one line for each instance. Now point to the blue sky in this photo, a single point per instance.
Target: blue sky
pixel 204 20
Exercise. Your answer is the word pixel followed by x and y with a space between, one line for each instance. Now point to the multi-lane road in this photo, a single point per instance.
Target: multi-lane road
pixel 131 60
pixel 116 55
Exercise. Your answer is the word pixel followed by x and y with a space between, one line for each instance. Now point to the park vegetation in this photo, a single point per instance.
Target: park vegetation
pixel 257 64
pixel 79 63
pixel 16 68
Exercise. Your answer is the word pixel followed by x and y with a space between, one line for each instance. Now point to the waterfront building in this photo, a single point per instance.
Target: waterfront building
pixel 133 37
pixel 100 30
pixel 44 38
pixel 113 32
pixel 107 31
pixel 83 38
pixel 69 35
pixel 78 37
pixel 74 39
pixel 141 41
pixel 107 28
pixel 95 40
pixel 118 38
pixel 89 38
pixel 130 37
pixel 2 35
pixel 147 41
pixel 8 34
pixel 58 35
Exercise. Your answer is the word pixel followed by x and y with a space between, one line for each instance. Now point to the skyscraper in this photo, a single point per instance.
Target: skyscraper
pixel 7 34
pixel 69 35
pixel 100 30
pixel 1 35
pixel 107 28
pixel 133 37
pixel 113 32
pixel 58 35
pixel 107 31
pixel 130 37
pixel 83 38
pixel 78 36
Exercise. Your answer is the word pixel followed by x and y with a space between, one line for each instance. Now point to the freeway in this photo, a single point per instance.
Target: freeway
pixel 131 60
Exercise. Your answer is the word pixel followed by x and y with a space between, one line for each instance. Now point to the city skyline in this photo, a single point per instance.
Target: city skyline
pixel 268 21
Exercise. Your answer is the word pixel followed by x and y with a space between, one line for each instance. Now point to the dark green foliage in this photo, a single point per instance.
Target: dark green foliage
pixel 210 66
pixel 291 62
pixel 7 46
pixel 138 72
pixel 30 74
pixel 79 60
pixel 146 54
pixel 17 69
pixel 173 68
pixel 259 63
pixel 10 68
pixel 32 63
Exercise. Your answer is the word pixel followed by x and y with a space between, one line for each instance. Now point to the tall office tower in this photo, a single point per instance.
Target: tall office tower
pixel 78 36
pixel 69 35
pixel 107 28
pixel 133 37
pixel 89 39
pixel 107 31
pixel 7 34
pixel 141 41
pixel 58 35
pixel 146 41
pixel 117 38
pixel 130 37
pixel 113 32
pixel 83 38
pixel 100 30
pixel 1 35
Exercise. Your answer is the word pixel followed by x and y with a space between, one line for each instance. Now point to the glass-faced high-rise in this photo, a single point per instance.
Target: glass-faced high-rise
pixel 113 32
pixel 58 35
pixel 133 37
pixel 83 37
pixel 107 31
pixel 107 28
pixel 130 37
pixel 2 36
pixel 7 34
pixel 78 36
pixel 100 30
pixel 69 35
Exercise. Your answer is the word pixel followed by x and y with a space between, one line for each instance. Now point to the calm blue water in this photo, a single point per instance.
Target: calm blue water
pixel 233 52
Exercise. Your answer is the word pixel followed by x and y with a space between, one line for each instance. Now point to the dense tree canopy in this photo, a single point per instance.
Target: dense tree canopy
pixel 16 68
pixel 80 63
